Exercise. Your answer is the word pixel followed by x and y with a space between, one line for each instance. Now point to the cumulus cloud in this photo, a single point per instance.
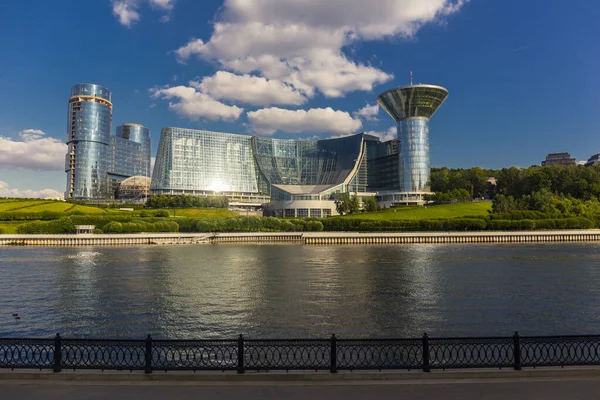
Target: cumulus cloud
pixel 368 112
pixel 270 120
pixel 127 13
pixel 193 104
pixel 6 191
pixel 301 42
pixel 34 151
pixel 385 136
pixel 249 89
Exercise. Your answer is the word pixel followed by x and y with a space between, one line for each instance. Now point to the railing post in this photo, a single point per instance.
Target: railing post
pixel 57 353
pixel 426 353
pixel 333 355
pixel 148 355
pixel 240 366
pixel 517 351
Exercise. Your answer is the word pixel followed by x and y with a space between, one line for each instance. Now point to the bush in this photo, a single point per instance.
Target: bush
pixel 162 213
pixel 113 227
pixel 504 225
pixel 314 226
pixel 465 224
pixel 431 224
pixel 165 226
pixel 146 214
pixel 287 226
pixel 63 225
pixel 544 224
pixel 205 226
pixel 186 224
pixel 98 231
pixel 1 230
pixel 527 224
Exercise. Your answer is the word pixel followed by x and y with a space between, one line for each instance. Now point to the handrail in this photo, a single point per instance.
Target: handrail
pixel 328 354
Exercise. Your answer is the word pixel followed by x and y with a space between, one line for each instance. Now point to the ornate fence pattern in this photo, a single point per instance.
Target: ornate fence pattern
pixel 300 354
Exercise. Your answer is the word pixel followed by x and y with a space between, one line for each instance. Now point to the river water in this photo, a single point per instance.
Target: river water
pixel 287 291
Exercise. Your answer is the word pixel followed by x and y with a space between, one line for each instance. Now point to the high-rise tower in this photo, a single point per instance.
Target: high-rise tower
pixel 411 107
pixel 88 138
pixel 139 134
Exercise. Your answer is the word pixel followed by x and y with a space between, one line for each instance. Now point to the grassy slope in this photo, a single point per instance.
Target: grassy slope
pixel 430 212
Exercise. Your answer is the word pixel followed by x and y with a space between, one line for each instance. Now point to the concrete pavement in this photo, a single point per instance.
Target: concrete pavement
pixel 530 389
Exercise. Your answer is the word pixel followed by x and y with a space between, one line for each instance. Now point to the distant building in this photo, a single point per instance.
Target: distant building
pixel 593 160
pixel 558 159
pixel 96 161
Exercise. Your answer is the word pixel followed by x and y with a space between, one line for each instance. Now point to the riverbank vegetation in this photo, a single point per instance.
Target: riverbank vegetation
pixel 551 197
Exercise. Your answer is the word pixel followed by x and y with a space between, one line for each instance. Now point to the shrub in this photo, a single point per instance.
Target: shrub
pixel 431 224
pixel 527 224
pixel 98 231
pixel 205 226
pixel 287 226
pixel 165 226
pixel 314 226
pixel 465 224
pixel 504 225
pixel 545 224
pixel 162 213
pixel 113 227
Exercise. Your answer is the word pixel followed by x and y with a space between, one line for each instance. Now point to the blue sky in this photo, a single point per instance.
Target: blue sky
pixel 523 76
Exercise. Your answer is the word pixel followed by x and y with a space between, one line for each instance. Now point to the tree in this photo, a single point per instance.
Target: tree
pixel 369 204
pixel 342 205
pixel 354 204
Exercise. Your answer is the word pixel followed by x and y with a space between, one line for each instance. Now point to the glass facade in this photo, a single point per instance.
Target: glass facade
pixel 202 162
pixel 96 161
pixel 138 134
pixel 414 150
pixel 411 107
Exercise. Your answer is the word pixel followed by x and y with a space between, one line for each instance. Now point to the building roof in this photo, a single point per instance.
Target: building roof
pixel 304 189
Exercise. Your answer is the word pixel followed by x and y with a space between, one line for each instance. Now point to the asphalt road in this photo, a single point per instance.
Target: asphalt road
pixel 513 390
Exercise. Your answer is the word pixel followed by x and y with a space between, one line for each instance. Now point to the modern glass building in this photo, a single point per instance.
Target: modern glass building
pixel 138 134
pixel 411 107
pixel 302 178
pixel 97 161
pixel 254 170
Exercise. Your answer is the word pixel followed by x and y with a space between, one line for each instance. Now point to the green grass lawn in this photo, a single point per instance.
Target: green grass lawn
pixel 455 210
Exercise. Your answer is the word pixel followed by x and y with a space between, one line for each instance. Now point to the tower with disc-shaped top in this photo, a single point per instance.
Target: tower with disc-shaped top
pixel 411 107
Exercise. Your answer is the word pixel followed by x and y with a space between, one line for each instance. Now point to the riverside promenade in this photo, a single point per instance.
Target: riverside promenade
pixel 549 384
pixel 307 238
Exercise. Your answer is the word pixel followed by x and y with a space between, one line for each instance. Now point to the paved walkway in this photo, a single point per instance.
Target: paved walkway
pixel 459 390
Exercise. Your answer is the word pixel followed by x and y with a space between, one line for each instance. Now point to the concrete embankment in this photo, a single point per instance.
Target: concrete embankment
pixel 308 238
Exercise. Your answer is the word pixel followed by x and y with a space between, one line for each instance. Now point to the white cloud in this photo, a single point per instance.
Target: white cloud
pixel 385 136
pixel 127 10
pixel 269 120
pixel 194 105
pixel 6 191
pixel 301 42
pixel 368 112
pixel 34 151
pixel 249 89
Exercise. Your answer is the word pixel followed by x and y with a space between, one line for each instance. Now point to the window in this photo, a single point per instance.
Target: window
pixel 302 213
pixel 290 213
pixel 315 212
pixel 326 212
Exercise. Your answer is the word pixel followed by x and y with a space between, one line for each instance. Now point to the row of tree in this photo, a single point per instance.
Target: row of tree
pixel 187 201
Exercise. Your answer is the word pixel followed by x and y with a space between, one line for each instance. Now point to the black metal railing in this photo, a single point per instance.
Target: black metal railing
pixel 331 354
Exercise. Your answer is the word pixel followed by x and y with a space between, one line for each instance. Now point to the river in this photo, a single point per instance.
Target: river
pixel 293 291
